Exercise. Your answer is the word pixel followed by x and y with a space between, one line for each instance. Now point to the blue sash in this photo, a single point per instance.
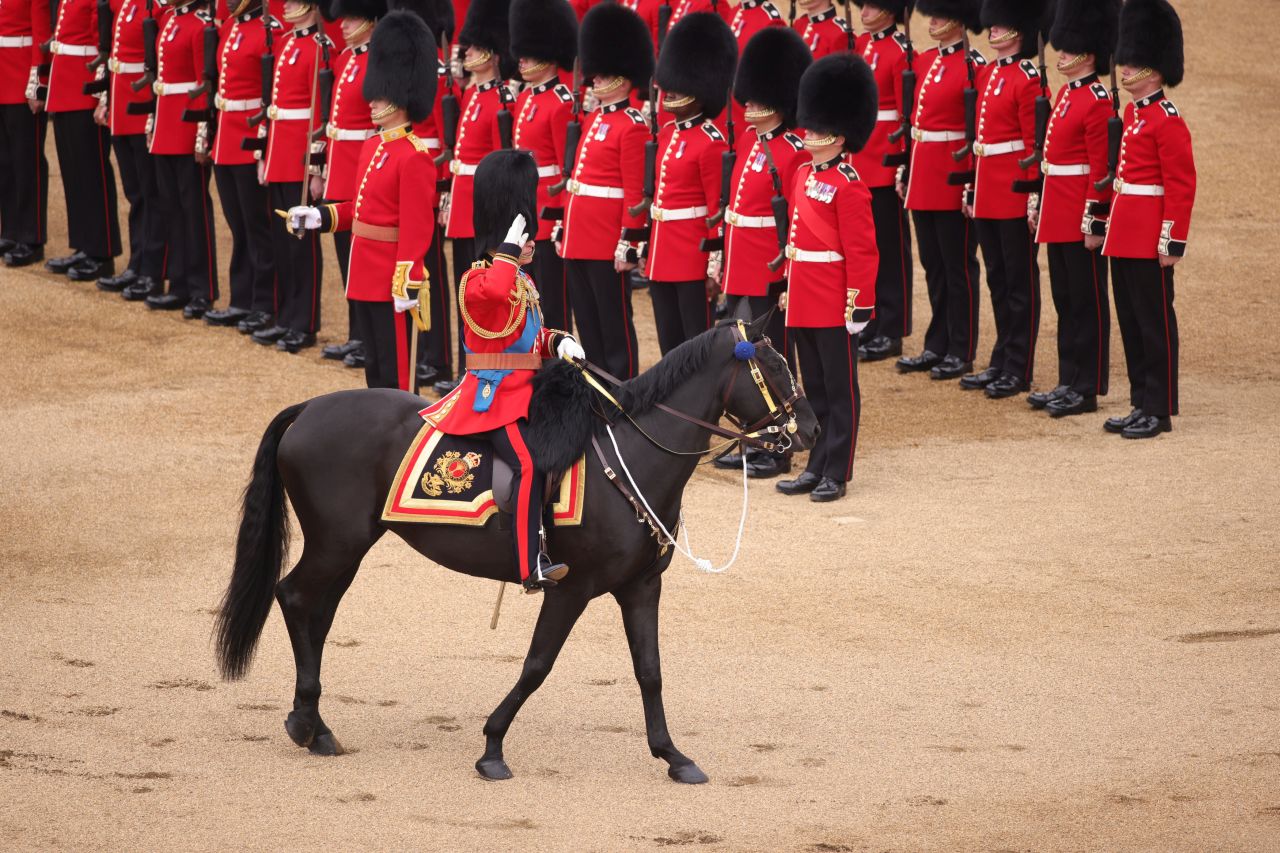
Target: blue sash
pixel 489 380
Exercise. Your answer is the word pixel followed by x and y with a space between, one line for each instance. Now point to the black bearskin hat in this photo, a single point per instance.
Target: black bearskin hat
pixel 1087 26
pixel 614 42
pixel 697 60
pixel 897 8
pixel 438 15
pixel 968 12
pixel 838 95
pixel 544 29
pixel 1028 17
pixel 402 65
pixel 506 184
pixel 370 10
pixel 770 70
pixel 1151 36
pixel 486 27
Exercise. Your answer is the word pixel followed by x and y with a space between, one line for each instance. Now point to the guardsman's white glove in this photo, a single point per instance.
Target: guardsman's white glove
pixel 715 263
pixel 570 350
pixel 444 201
pixel 854 328
pixel 304 218
pixel 517 234
pixel 403 305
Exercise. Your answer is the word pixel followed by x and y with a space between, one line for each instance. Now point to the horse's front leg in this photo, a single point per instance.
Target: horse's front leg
pixel 561 608
pixel 638 599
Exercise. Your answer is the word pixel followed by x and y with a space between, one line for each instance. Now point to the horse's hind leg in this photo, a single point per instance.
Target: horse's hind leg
pixel 309 597
pixel 638 599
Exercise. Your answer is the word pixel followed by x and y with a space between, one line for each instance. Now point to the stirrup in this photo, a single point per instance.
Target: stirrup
pixel 545 575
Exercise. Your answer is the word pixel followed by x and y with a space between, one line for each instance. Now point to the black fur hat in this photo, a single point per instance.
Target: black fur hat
pixel 402 65
pixel 370 10
pixel 506 184
pixel 1151 36
pixel 614 42
pixel 1087 26
pixel 838 95
pixel 968 12
pixel 897 8
pixel 1028 17
pixel 486 27
pixel 438 15
pixel 544 29
pixel 770 70
pixel 697 60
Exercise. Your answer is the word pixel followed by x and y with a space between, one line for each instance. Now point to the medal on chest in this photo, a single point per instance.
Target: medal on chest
pixel 758 161
pixel 1066 106
pixel 382 160
pixel 819 191
pixel 353 73
pixel 173 34
pixel 293 57
pixel 937 75
pixel 129 17
pixel 602 131
pixel 875 59
pixel 1137 127
pixel 680 149
pixel 999 87
pixel 533 111
pixel 235 42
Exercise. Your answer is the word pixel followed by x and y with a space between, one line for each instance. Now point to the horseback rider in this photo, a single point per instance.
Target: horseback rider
pixel 506 343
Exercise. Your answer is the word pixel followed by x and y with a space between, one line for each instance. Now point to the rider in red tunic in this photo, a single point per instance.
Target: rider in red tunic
pixel 506 343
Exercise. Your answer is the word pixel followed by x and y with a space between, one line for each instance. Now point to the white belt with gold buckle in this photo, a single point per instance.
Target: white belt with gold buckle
pixel 936 135
pixel 115 66
pixel 460 168
pixel 578 188
pixel 338 134
pixel 991 149
pixel 1126 188
pixel 805 256
pixel 162 88
pixel 58 48
pixel 276 114
pixel 662 214
pixel 1053 170
pixel 227 106
pixel 737 220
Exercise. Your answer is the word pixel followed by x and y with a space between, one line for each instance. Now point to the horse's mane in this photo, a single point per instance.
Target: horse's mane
pixel 659 382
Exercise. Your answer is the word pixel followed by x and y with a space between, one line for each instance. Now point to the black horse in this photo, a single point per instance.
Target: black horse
pixel 335 456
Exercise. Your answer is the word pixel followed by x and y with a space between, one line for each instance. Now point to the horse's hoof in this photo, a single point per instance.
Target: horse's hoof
pixel 326 744
pixel 300 730
pixel 493 769
pixel 687 774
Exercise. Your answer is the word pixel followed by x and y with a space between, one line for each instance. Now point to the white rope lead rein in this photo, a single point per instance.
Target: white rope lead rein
pixel 701 563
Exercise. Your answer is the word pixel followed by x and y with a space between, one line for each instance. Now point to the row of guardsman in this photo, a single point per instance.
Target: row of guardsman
pixel 803 193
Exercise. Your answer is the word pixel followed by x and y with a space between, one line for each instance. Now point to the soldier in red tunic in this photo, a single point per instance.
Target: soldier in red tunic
pixel 348 127
pixel 507 342
pixel 295 107
pixel 607 186
pixel 832 256
pixel 84 146
pixel 390 229
pixel 243 42
pixel 1065 214
pixel 24 171
pixel 944 235
pixel 824 32
pixel 757 219
pixel 1006 134
pixel 123 110
pixel 544 40
pixel 695 71
pixel 192 264
pixel 1155 189
pixel 884 49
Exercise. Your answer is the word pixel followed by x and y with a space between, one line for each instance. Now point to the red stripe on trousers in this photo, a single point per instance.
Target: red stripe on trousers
pixel 106 201
pixel 522 499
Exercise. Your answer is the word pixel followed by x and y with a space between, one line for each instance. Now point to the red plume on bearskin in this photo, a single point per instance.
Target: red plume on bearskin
pixel 838 95
pixel 544 29
pixel 402 65
pixel 438 15
pixel 1151 36
pixel 770 69
pixel 614 42
pixel 698 58
pixel 968 12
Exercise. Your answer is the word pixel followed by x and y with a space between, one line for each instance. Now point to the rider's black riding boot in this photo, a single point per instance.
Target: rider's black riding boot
pixel 545 575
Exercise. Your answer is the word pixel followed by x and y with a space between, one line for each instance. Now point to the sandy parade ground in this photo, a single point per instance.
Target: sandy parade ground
pixel 1014 634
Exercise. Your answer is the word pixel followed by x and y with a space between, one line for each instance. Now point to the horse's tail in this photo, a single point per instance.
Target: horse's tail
pixel 261 546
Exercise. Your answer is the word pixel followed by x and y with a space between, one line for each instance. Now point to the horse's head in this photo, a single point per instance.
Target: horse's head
pixel 762 392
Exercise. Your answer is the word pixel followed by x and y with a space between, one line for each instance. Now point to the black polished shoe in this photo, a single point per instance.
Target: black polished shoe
pixel 295 342
pixel 978 381
pixel 195 309
pixel 879 348
pixel 356 359
pixel 143 288
pixel 545 575
pixel 444 386
pixel 269 336
pixel 427 374
pixel 918 363
pixel 805 483
pixel 64 263
pixel 23 255
pixel 768 465
pixel 1072 403
pixel 1040 399
pixel 92 269
pixel 729 461
pixel 225 316
pixel 828 490
pixel 1148 426
pixel 950 367
pixel 6 246
pixel 337 352
pixel 117 283
pixel 166 302
pixel 255 322
pixel 1117 425
pixel 1006 386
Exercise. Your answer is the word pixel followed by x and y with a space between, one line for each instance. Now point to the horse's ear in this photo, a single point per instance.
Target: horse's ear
pixel 755 330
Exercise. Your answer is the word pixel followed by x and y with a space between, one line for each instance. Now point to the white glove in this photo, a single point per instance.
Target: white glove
pixel 855 328
pixel 570 350
pixel 301 218
pixel 516 233
pixel 403 305
pixel 715 262
pixel 444 201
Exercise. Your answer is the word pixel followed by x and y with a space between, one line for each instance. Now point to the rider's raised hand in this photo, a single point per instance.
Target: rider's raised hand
pixel 517 234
